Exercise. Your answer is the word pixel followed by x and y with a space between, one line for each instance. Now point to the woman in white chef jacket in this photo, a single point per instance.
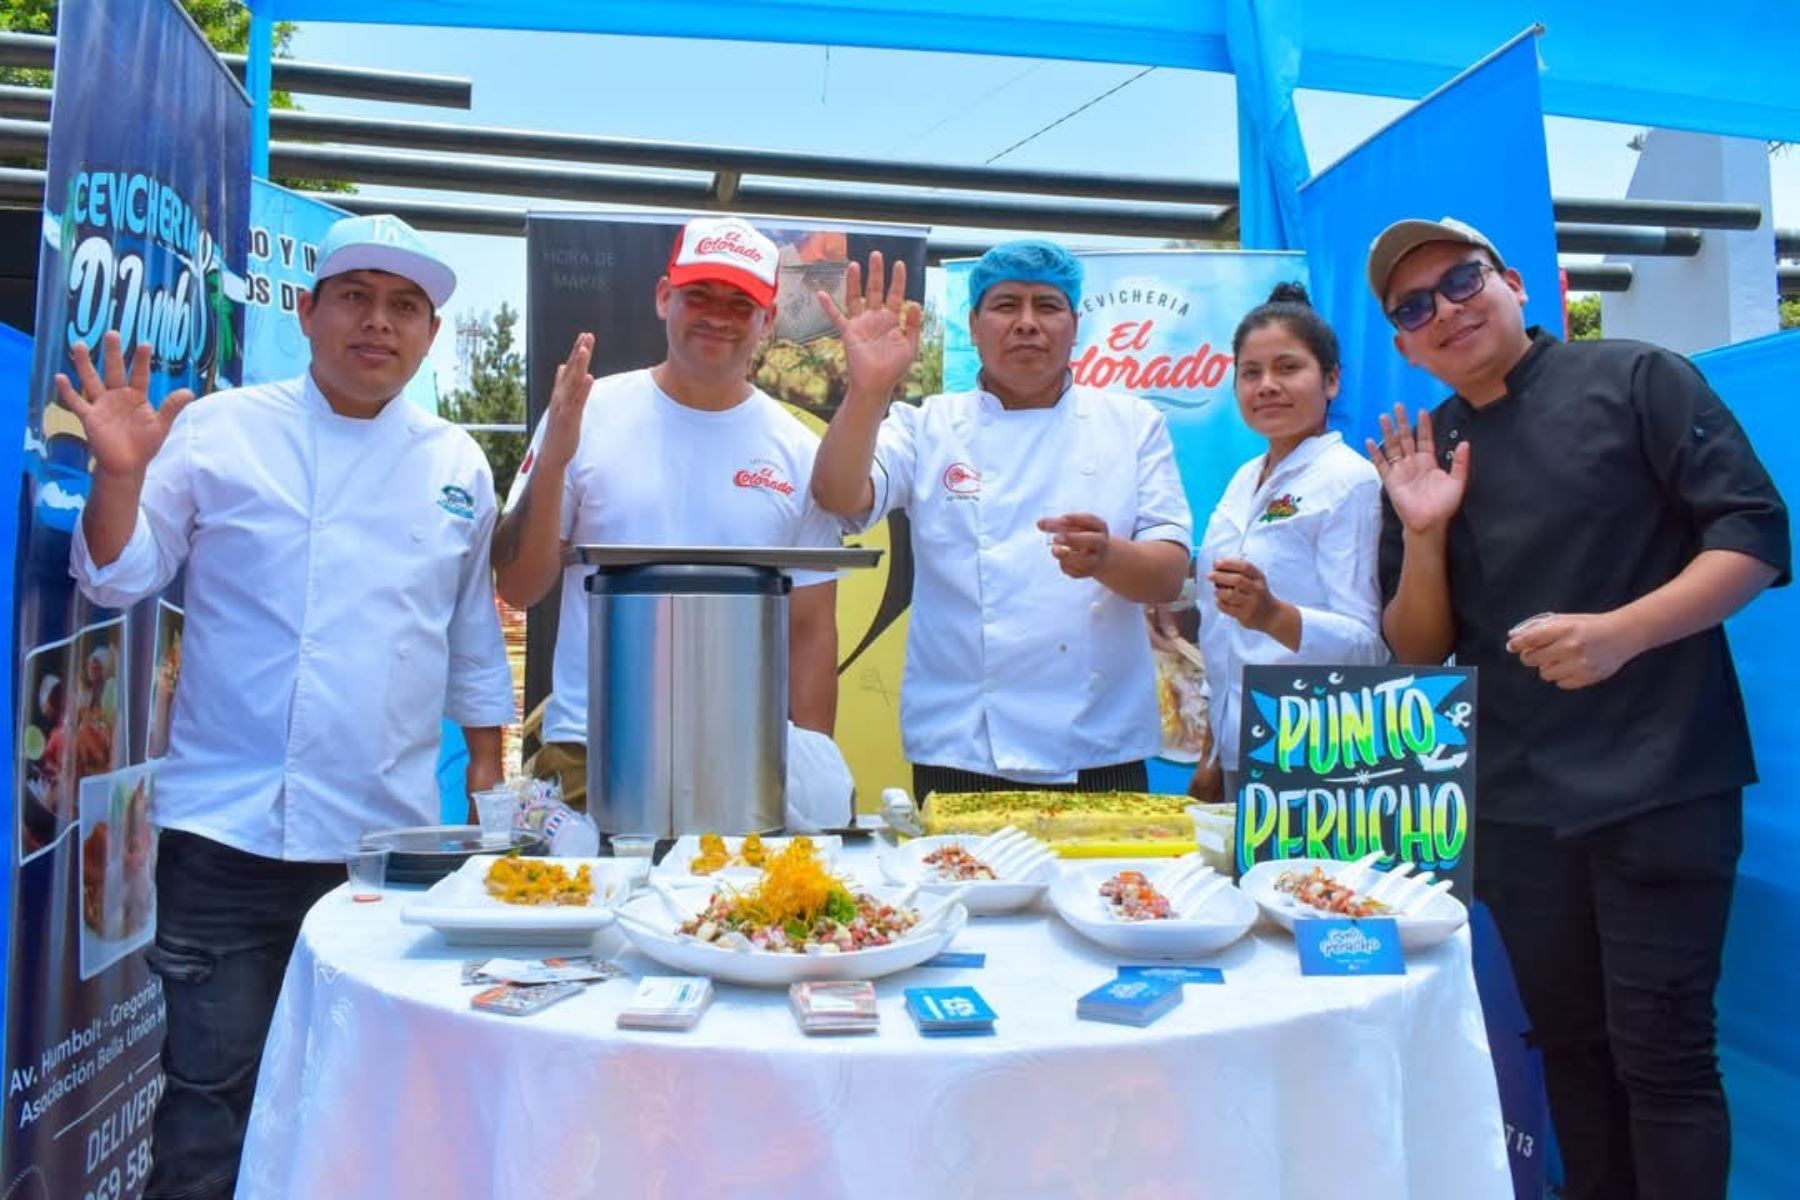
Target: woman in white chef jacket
pixel 1287 566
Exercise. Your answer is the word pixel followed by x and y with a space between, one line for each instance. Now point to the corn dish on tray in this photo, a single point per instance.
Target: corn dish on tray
pixel 1097 825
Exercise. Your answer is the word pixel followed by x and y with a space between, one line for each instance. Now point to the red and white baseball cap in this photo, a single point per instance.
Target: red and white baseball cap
pixel 726 250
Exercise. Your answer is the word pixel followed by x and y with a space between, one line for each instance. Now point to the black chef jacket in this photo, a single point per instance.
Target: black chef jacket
pixel 1606 467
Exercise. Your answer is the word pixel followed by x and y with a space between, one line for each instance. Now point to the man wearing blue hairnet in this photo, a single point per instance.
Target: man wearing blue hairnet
pixel 1043 516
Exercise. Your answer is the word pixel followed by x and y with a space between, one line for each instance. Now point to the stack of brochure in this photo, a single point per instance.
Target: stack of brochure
pixel 835 1007
pixel 1130 1000
pixel 667 1002
pixel 949 1010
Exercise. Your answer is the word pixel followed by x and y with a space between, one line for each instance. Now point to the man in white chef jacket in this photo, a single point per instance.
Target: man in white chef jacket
pixel 1044 516
pixel 685 453
pixel 338 607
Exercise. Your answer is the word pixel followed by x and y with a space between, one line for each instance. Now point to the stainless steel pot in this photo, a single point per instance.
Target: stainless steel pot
pixel 687 698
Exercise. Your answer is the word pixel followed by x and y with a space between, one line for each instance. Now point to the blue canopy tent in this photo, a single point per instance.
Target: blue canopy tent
pixel 1720 69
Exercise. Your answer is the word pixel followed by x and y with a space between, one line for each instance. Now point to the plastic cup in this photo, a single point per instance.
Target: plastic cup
pixel 637 847
pixel 368 873
pixel 497 809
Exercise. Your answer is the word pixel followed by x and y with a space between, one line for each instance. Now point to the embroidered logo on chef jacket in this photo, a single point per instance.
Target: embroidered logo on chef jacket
pixel 458 502
pixel 1280 509
pixel 960 479
pixel 761 473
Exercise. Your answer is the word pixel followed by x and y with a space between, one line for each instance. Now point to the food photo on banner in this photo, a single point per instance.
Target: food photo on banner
pixel 145 232
pixel 1158 324
pixel 598 272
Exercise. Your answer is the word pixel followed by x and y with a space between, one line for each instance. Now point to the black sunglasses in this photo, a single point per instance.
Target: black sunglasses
pixel 1416 309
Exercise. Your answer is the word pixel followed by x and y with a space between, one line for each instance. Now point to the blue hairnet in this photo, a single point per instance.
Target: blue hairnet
pixel 1027 261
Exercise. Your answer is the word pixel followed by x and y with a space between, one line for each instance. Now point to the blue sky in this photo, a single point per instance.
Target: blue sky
pixel 958 109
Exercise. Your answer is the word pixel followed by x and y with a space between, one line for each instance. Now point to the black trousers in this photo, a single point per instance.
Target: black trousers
pixel 1615 938
pixel 226 923
pixel 1120 777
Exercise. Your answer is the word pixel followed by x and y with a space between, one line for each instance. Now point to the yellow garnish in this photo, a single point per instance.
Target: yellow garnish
pixel 795 886
pixel 516 880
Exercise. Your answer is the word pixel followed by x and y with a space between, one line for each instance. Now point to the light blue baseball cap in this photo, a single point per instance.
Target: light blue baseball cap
pixel 384 243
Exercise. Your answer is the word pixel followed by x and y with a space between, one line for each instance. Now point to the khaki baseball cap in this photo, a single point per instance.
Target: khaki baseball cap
pixel 1403 237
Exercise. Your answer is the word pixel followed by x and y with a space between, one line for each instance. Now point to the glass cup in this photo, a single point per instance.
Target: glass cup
pixel 368 873
pixel 497 809
pixel 637 848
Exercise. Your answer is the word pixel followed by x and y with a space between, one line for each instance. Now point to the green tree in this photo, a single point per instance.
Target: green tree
pixel 495 394
pixel 1790 312
pixel 1584 317
pixel 225 24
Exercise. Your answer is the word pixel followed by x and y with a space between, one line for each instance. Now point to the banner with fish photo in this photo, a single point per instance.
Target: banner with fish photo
pixel 145 232
pixel 1347 763
pixel 1158 324
pixel 597 272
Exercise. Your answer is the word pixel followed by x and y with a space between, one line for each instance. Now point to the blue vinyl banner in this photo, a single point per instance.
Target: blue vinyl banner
pixel 1757 1049
pixel 1473 150
pixel 145 230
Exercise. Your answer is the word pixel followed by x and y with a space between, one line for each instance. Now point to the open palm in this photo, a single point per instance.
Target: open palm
pixel 879 327
pixel 1424 495
pixel 124 431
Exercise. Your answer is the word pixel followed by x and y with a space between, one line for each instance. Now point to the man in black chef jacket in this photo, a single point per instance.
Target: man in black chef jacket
pixel 1577 521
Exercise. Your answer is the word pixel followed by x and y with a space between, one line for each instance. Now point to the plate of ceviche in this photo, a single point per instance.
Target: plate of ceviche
pixel 952 860
pixel 1123 906
pixel 1293 889
pixel 798 921
pixel 515 900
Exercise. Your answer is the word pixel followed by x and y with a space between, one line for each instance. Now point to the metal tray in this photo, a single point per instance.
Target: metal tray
pixel 785 558
pixel 427 853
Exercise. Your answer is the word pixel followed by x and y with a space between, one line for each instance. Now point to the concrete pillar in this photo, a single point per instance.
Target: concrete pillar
pixel 1727 292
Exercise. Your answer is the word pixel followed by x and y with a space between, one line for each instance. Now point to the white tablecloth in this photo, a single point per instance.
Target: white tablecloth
pixel 379 1080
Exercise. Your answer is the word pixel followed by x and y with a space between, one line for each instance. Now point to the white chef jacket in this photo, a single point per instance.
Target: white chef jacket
pixel 338 605
pixel 1013 668
pixel 1314 529
pixel 651 471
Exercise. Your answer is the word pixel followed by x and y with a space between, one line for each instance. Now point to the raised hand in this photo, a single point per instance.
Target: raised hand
pixel 879 327
pixel 1424 495
pixel 123 431
pixel 568 400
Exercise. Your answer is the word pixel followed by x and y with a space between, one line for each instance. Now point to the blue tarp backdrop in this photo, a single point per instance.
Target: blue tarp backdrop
pixel 1427 164
pixel 1757 1046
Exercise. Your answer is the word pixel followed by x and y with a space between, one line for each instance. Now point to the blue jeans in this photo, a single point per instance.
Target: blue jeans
pixel 226 922
pixel 1615 938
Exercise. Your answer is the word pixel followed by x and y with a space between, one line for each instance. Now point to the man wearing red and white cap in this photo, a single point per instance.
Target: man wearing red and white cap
pixel 687 452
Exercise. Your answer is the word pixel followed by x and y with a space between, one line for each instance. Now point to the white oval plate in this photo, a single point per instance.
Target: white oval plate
pixel 647 914
pixel 1226 916
pixel 906 864
pixel 459 907
pixel 1443 916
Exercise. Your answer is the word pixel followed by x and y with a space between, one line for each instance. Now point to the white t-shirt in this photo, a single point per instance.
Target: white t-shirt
pixel 1012 667
pixel 651 471
pixel 1314 529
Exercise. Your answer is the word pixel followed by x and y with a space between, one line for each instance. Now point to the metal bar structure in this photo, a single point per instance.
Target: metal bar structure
pixel 38 51
pixel 24 186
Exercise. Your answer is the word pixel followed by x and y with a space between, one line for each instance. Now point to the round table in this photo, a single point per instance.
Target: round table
pixel 379 1080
